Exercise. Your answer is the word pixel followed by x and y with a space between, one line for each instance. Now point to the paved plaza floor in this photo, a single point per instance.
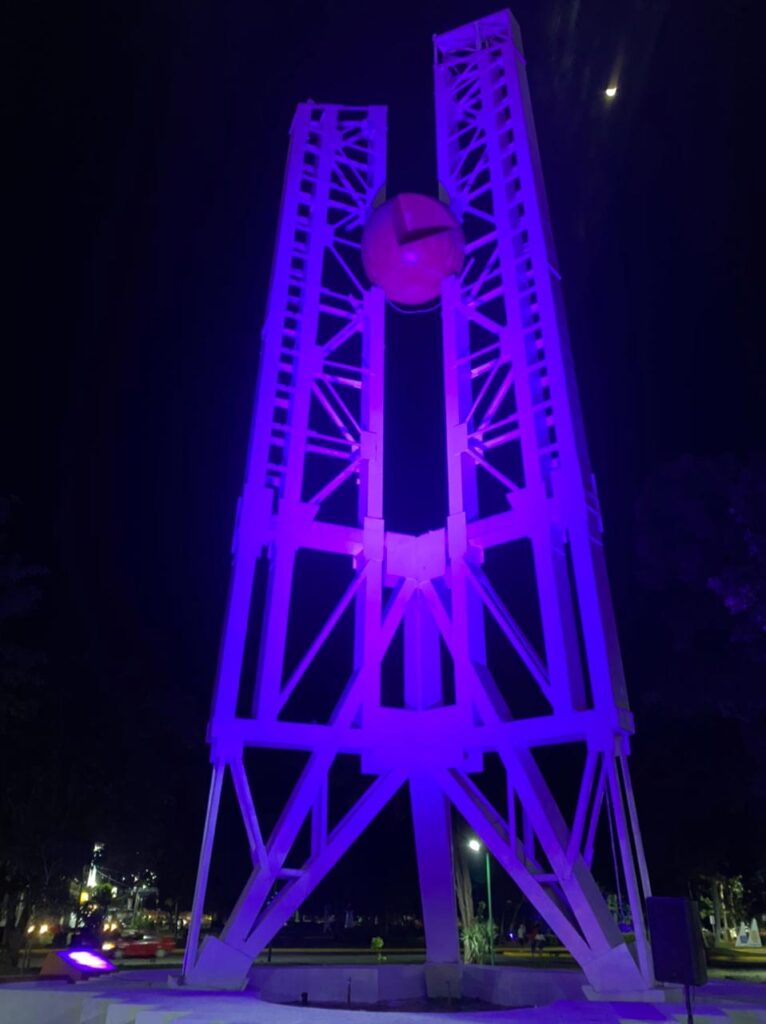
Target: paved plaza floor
pixel 152 997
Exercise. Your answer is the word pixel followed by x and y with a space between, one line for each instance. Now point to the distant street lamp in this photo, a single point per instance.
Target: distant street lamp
pixel 476 847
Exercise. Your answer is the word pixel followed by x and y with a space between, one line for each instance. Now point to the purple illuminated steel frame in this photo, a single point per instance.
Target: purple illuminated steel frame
pixel 519 482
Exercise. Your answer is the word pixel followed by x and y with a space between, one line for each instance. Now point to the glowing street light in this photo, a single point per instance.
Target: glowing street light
pixel 610 92
pixel 476 847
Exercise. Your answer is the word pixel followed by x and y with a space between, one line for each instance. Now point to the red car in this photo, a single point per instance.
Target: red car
pixel 137 945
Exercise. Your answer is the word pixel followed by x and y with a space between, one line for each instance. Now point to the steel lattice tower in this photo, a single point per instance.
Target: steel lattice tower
pixel 519 483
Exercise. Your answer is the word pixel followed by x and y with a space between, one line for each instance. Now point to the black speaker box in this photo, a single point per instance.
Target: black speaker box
pixel 676 936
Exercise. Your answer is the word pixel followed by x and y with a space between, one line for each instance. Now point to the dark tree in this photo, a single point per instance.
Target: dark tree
pixel 702 703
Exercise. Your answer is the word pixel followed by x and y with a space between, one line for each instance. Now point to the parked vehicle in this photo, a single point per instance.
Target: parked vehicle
pixel 135 944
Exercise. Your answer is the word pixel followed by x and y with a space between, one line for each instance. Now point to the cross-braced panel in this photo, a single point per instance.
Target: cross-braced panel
pixel 314 466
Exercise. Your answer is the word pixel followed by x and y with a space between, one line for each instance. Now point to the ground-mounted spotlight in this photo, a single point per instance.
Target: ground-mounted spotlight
pixel 75 964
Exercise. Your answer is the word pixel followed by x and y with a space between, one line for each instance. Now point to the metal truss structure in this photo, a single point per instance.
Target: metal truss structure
pixel 509 644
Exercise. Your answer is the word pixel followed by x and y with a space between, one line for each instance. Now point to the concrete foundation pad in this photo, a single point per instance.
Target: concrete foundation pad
pixel 616 972
pixel 220 966
pixel 644 995
pixel 521 986
pixel 444 981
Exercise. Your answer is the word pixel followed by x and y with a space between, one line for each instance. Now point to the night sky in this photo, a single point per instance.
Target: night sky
pixel 150 143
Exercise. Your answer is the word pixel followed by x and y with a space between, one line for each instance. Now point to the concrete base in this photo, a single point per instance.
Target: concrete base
pixel 444 981
pixel 332 984
pixel 643 995
pixel 521 986
pixel 389 983
pixel 616 971
pixel 220 966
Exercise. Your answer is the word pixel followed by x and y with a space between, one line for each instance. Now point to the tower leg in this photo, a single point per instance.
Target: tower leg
pixel 433 844
pixel 430 808
pixel 200 888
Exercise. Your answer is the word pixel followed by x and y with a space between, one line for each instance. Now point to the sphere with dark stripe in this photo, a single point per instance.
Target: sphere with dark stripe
pixel 410 245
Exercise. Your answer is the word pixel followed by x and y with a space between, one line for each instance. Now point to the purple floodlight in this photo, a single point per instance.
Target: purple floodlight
pixel 519 486
pixel 87 960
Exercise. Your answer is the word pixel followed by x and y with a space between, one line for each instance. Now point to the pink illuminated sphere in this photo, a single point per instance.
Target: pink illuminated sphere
pixel 410 244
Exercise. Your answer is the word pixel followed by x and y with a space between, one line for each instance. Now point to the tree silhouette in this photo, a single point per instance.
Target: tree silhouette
pixel 700 701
